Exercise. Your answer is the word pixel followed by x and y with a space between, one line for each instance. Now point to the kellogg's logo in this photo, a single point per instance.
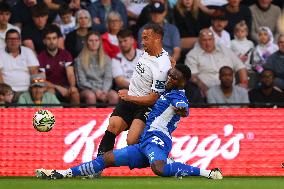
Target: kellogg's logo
pixel 185 148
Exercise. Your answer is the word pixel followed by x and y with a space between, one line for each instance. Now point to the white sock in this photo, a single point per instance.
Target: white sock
pixel 204 172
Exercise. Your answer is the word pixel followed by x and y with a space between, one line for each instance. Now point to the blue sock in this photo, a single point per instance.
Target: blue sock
pixel 89 168
pixel 179 169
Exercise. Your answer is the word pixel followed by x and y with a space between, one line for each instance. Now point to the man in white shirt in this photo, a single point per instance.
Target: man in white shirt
pixel 17 63
pixel 218 23
pixel 125 62
pixel 146 84
pixel 5 14
pixel 206 58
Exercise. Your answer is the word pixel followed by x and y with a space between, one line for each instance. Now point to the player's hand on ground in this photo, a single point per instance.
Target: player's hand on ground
pixel 182 111
pixel 123 94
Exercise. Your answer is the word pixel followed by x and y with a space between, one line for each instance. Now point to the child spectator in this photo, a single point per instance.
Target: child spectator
pixel 240 45
pixel 67 21
pixel 264 48
pixel 6 94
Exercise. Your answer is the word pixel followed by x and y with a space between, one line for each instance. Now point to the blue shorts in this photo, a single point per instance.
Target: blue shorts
pixel 143 154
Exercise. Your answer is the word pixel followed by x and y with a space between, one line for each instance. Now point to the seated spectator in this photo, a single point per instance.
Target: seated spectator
pixel 17 63
pixel 243 48
pixel 109 39
pixel 134 9
pixel 206 59
pixel 74 40
pixel 6 95
pixel 145 16
pixel 57 64
pixel 67 21
pixel 235 14
pixel 32 35
pixel 37 93
pixel 185 16
pixel 264 13
pixel 94 74
pixel 214 2
pixel 226 92
pixel 5 14
pixel 100 10
pixel 266 95
pixel 125 62
pixel 264 48
pixel 171 38
pixel 219 22
pixel 275 62
pixel 21 13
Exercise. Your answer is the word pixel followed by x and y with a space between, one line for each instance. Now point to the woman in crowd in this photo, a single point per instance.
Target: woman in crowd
pixel 94 74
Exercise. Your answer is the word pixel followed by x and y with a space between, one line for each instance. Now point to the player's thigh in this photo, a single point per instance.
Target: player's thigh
pixel 116 125
pixel 155 152
pixel 135 130
pixel 125 110
pixel 130 156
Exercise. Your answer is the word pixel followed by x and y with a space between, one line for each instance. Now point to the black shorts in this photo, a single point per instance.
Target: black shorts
pixel 129 111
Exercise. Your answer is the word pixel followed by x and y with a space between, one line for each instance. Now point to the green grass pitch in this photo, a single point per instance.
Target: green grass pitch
pixel 143 183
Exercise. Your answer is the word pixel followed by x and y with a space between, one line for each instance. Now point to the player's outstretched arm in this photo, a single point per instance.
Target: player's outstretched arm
pixel 147 100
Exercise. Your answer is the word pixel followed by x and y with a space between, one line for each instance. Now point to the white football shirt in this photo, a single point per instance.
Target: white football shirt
pixel 121 66
pixel 150 74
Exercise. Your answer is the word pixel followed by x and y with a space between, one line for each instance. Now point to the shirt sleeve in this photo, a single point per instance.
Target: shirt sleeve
pixel 159 81
pixel 116 68
pixel 192 62
pixel 179 101
pixel 32 59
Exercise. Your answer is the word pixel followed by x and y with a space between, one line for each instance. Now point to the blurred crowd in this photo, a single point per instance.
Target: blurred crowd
pixel 83 51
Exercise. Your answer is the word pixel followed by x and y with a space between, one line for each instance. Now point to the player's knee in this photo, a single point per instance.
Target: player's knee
pixel 109 158
pixel 158 168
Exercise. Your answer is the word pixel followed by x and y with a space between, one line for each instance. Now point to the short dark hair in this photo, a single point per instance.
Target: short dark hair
pixel 39 10
pixel 185 70
pixel 51 29
pixel 64 9
pixel 125 33
pixel 155 27
pixel 4 88
pixel 4 7
pixel 12 31
pixel 224 68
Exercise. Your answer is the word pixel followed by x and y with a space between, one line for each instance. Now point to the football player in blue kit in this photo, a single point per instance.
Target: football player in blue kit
pixel 155 143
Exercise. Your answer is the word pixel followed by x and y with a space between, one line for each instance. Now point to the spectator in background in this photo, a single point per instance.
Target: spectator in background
pixel 226 92
pixel 264 13
pixel 94 74
pixel 145 16
pixel 37 93
pixel 193 94
pixel 32 34
pixel 67 21
pixel 21 13
pixel 264 48
pixel 206 59
pixel 219 21
pixel 275 62
pixel 109 39
pixel 125 62
pixel 100 10
pixel 243 48
pixel 236 13
pixel 57 64
pixel 6 95
pixel 171 39
pixel 266 93
pixel 185 17
pixel 240 45
pixel 74 40
pixel 5 14
pixel 17 63
pixel 134 9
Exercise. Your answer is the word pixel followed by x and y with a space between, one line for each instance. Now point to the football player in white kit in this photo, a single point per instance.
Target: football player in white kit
pixel 146 84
